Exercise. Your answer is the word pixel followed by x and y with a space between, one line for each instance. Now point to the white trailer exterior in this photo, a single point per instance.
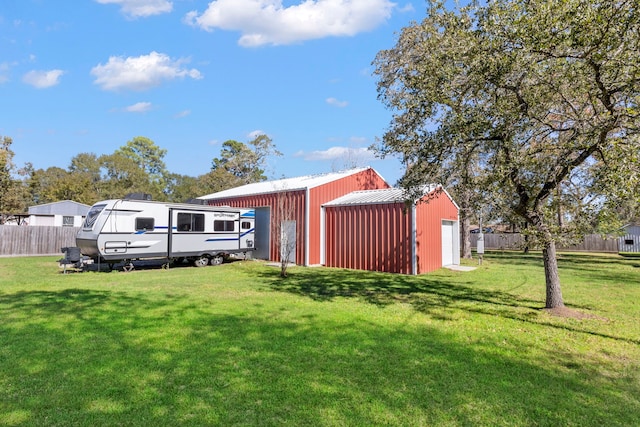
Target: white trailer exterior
pixel 126 230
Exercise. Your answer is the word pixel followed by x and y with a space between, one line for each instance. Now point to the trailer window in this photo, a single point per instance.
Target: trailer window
pixel 246 225
pixel 92 215
pixel 190 222
pixel 144 224
pixel 220 225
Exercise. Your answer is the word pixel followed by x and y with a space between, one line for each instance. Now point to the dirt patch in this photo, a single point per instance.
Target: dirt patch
pixel 571 313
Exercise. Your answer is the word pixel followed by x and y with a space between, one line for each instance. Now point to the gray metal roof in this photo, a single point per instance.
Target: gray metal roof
pixel 368 197
pixel 286 184
pixel 64 207
pixel 632 228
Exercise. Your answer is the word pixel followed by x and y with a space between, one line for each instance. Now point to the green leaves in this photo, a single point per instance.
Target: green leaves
pixel 537 89
pixel 537 94
pixel 13 197
pixel 240 163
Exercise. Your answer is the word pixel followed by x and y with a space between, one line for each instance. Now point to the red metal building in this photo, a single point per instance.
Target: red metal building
pixel 292 207
pixel 376 230
pixel 350 219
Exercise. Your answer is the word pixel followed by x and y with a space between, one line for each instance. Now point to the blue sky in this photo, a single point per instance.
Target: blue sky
pixel 89 75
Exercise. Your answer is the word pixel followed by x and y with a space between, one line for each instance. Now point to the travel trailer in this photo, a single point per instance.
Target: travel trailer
pixel 124 230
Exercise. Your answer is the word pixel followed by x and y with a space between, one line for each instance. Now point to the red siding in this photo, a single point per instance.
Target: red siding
pixel 377 237
pixel 373 237
pixel 365 180
pixel 279 204
pixel 430 212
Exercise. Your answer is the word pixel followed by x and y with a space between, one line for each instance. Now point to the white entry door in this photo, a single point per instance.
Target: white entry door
pixel 447 242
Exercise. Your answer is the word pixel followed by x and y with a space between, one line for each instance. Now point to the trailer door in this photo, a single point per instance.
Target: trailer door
pixel 188 233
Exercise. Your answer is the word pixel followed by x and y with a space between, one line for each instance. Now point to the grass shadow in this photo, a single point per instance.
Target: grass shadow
pixel 565 259
pixel 427 294
pixel 437 296
pixel 93 357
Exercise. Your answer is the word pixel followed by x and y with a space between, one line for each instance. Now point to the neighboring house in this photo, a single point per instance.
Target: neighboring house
pixel 331 219
pixel 13 219
pixel 630 241
pixel 66 213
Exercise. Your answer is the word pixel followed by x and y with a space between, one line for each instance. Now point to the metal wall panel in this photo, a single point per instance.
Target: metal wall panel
pixel 378 236
pixel 430 212
pixel 365 180
pixel 284 206
pixel 369 237
pixel 308 234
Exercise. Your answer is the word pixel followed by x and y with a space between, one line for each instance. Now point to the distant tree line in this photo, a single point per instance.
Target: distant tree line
pixel 136 167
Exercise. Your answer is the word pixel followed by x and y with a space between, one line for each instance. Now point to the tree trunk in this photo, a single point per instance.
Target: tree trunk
pixel 549 255
pixel 465 232
pixel 554 293
pixel 466 238
pixel 526 239
pixel 559 207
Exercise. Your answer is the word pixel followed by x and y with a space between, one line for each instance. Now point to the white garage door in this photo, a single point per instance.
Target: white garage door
pixel 447 242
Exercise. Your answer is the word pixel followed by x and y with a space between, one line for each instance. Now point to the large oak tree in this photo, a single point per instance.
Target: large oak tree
pixel 534 92
pixel 241 163
pixel 149 158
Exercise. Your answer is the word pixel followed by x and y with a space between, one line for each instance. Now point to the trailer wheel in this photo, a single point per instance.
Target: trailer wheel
pixel 217 260
pixel 201 261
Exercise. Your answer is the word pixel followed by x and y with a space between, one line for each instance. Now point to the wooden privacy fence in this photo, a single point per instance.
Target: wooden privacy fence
pixel 45 240
pixel 35 240
pixel 591 243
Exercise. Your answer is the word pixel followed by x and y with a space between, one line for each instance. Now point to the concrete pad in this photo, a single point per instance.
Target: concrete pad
pixel 460 267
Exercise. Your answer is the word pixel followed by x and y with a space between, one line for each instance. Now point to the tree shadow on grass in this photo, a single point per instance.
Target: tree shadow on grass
pixel 612 269
pixel 428 294
pixel 431 295
pixel 566 260
pixel 87 357
pixel 515 257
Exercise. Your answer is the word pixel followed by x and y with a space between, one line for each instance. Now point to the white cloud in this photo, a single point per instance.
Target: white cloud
pixel 337 153
pixel 4 72
pixel 140 73
pixel 141 8
pixel 182 114
pixel 42 79
pixel 256 133
pixel 407 8
pixel 269 22
pixel 337 103
pixel 56 26
pixel 139 107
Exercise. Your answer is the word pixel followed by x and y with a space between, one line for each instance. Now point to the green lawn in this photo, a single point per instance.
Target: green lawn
pixel 237 345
